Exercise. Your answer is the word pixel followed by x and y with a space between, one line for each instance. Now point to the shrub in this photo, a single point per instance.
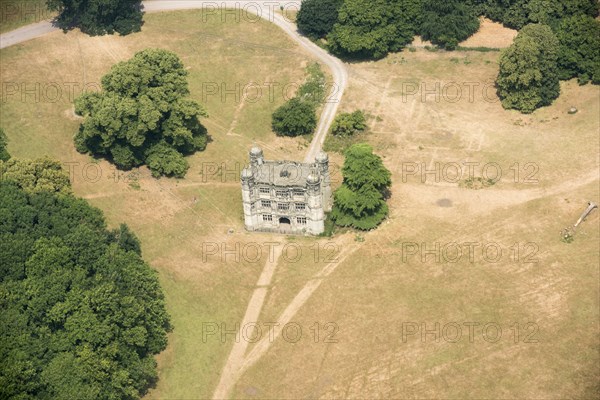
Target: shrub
pixel 294 118
pixel 347 124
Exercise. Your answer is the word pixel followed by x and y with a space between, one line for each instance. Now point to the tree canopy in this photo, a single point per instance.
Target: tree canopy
pixel 373 28
pixel 294 118
pixel 579 52
pixel 360 201
pixel 98 17
pixel 35 176
pixel 447 23
pixel 143 115
pixel 3 142
pixel 81 313
pixel 528 76
pixel 518 13
pixel 317 17
pixel 347 124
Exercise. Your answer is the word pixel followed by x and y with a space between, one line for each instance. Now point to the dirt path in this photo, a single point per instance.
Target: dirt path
pixel 301 298
pixel 232 370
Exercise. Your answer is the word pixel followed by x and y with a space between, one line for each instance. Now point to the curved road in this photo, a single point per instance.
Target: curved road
pixel 264 9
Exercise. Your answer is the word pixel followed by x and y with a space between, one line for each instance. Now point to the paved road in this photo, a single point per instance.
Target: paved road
pixel 264 9
pixel 26 33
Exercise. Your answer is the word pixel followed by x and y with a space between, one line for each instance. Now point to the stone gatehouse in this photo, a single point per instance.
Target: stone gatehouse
pixel 286 196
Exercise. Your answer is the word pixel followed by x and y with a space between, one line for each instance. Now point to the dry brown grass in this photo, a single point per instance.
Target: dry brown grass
pixel 371 294
pixel 374 291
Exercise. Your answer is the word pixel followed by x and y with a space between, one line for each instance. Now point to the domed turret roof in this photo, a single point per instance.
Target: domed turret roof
pixel 313 178
pixel 256 151
pixel 322 156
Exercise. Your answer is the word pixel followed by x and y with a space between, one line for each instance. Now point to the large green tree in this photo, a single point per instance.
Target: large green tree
pixel 143 115
pixel 373 28
pixel 317 17
pixel 579 54
pixel 294 118
pixel 98 17
pixel 360 201
pixel 528 76
pixel 81 314
pixel 448 22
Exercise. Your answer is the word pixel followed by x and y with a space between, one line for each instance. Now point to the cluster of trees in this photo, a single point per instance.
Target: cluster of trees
pixel 360 200
pixel 317 17
pixel 298 116
pixel 579 49
pixel 143 115
pixel 347 124
pixel 449 22
pixel 516 14
pixel 530 69
pixel 371 29
pixel 98 17
pixel 81 313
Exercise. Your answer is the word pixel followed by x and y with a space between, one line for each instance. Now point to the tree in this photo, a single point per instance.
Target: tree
pixel 294 118
pixel 82 314
pixel 528 77
pixel 317 17
pixel 143 115
pixel 579 52
pixel 360 201
pixel 41 175
pixel 347 124
pixel 518 13
pixel 3 142
pixel 447 23
pixel 98 17
pixel 373 28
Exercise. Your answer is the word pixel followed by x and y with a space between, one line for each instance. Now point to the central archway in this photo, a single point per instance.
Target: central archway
pixel 285 221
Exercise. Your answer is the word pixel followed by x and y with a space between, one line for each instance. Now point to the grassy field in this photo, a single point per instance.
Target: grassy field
pixel 381 287
pixel 17 13
pixel 39 78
